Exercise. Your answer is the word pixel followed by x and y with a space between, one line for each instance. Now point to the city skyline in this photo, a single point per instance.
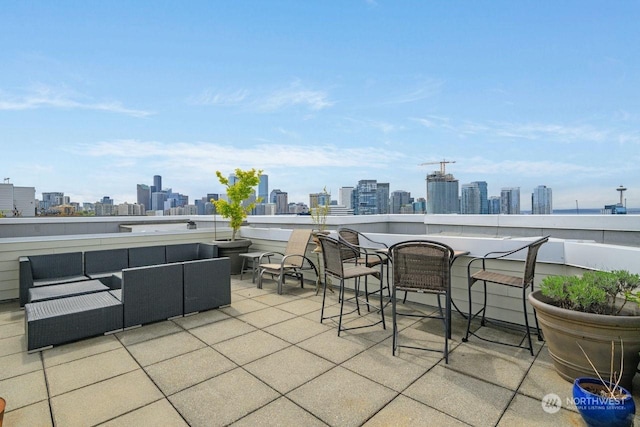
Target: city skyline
pixel 96 98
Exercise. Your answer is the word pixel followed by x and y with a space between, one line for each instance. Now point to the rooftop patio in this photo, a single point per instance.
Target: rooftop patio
pixel 267 360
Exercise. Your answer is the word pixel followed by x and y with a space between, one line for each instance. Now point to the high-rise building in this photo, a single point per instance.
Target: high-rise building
pixel 470 199
pixel 263 188
pixel 157 200
pixel 157 182
pixel 494 205
pixel 510 201
pixel 319 199
pixel 281 200
pixel 420 205
pixel 473 198
pixel 144 196
pixel 399 199
pixel 345 197
pixel 442 193
pixel 365 197
pixel 382 196
pixel 51 199
pixel 541 201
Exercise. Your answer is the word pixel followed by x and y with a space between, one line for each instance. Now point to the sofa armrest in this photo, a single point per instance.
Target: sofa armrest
pixel 207 250
pixel 26 279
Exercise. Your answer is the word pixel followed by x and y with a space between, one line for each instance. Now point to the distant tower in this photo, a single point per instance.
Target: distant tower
pixel 263 188
pixel 344 197
pixel 621 190
pixel 541 201
pixel 442 193
pixel 144 196
pixel 510 201
pixel 157 182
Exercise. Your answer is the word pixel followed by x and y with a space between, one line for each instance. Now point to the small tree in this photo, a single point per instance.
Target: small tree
pixel 237 193
pixel 320 212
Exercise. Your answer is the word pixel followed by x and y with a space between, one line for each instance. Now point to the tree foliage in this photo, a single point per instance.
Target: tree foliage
pixel 234 207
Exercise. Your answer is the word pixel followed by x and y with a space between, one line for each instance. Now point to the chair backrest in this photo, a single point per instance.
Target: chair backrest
pixel 352 238
pixel 422 265
pixel 532 254
pixel 332 256
pixel 297 245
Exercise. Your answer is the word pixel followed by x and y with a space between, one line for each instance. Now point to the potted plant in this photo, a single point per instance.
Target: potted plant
pixel 236 208
pixel 601 402
pixel 319 217
pixel 591 310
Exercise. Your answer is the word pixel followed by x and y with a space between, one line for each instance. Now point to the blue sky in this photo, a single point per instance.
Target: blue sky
pixel 96 97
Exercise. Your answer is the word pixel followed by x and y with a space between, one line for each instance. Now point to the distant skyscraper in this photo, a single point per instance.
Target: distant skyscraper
pixel 494 205
pixel 281 200
pixel 232 178
pixel 263 188
pixel 442 193
pixel 510 201
pixel 382 196
pixel 420 206
pixel 157 182
pixel 541 201
pixel 365 197
pixel 144 196
pixel 157 200
pixel 319 199
pixel 399 198
pixel 470 199
pixel 345 195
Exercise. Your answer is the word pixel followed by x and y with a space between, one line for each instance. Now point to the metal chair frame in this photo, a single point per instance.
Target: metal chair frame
pixel 292 262
pixel 422 266
pixel 366 254
pixel 335 254
pixel 523 282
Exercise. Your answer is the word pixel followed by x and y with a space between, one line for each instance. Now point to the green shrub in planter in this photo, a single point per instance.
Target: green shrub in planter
pixel 598 292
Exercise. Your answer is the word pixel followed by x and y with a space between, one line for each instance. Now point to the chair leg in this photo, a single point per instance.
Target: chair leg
pixel 342 305
pixel 260 278
pixel 324 295
pixel 395 322
pixel 526 318
pixel 447 325
pixel 366 293
pixel 484 305
pixel 384 325
pixel 466 335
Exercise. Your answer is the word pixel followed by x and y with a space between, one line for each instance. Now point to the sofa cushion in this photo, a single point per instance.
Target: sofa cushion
pixel 182 252
pixel 98 263
pixel 148 255
pixel 54 266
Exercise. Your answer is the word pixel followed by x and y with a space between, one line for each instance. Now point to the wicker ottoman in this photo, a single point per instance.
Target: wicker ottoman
pixel 58 321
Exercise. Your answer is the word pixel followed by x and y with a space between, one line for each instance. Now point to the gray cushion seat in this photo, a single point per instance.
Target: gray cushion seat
pixel 69 319
pixel 50 269
pixel 44 293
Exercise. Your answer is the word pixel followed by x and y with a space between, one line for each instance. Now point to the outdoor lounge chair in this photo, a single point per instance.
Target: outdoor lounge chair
pixel 292 262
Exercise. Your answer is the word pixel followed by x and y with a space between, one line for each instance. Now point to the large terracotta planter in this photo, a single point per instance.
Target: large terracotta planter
pixel 232 249
pixel 564 329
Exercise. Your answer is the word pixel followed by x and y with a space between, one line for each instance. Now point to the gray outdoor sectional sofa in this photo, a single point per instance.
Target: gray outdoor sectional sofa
pixel 77 295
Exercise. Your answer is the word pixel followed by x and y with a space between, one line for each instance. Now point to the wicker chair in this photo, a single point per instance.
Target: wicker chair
pixel 335 253
pixel 523 282
pixel 369 253
pixel 292 262
pixel 422 266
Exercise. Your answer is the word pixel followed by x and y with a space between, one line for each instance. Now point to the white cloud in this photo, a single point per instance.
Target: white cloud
pixel 42 96
pixel 209 97
pixel 295 95
pixel 530 131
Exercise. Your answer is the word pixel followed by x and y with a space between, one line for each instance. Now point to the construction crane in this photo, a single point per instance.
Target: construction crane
pixel 442 164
